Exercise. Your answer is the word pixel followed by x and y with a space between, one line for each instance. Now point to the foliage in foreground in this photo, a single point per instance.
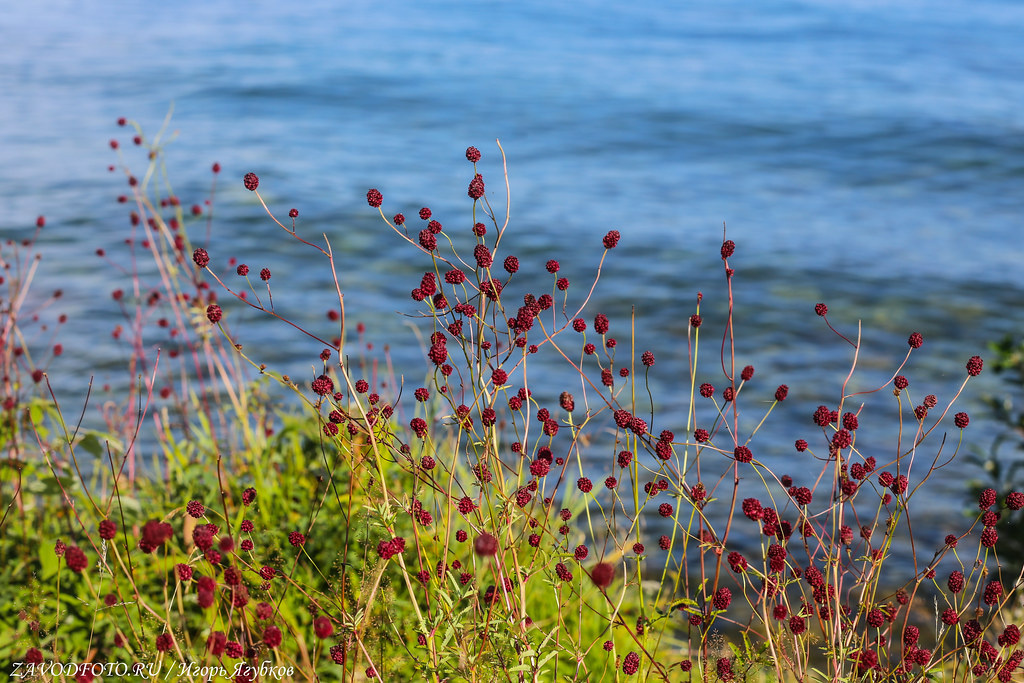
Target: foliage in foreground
pixel 458 530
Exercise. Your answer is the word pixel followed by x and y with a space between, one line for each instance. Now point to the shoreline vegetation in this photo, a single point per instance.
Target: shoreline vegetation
pixel 441 525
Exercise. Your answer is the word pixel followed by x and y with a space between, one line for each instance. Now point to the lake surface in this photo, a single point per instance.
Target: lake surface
pixel 865 154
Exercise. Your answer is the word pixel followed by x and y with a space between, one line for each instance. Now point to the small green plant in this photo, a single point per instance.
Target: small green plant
pixel 455 527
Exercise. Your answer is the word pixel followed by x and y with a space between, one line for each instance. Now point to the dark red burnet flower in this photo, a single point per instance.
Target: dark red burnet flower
pixel 782 392
pixel 865 660
pixel 728 249
pixel 248 496
pixel 1015 500
pixel 737 562
pixel 76 559
pixel 1010 636
pixel 251 181
pixel 201 257
pixel 374 198
pixel 974 366
pixel 164 642
pixel 722 598
pixel 485 545
pixel 202 536
pixel 214 313
pixel 647 358
pixel 491 289
pixel 986 499
pixel 265 274
pixel 821 309
pixel 803 496
pixel 602 574
pixel 242 270
pixel 611 239
pixel 294 213
pixel 388 549
pixel 272 636
pixel 993 592
pixel 297 538
pixel 900 484
pixel 822 416
pixel 472 154
pixel 322 385
pixel 915 341
pixel 108 529
pixel 323 627
pixel 631 664
pixel 476 187
pixel 427 240
pixel 216 642
pixel 155 533
pixel 961 420
pixel 950 616
pixel 743 454
pixel 233 577
pixel 195 509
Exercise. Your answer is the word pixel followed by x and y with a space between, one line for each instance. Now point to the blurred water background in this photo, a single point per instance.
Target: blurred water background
pixel 865 154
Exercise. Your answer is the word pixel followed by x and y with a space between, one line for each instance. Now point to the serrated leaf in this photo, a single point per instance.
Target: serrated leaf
pixel 547 658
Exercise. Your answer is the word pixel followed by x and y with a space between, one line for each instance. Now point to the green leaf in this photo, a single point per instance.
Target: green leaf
pixel 91 443
pixel 50 563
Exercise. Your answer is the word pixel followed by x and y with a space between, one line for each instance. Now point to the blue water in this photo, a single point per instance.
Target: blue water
pixel 867 154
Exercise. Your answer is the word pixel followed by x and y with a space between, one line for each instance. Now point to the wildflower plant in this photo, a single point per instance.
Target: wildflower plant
pixel 522 510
